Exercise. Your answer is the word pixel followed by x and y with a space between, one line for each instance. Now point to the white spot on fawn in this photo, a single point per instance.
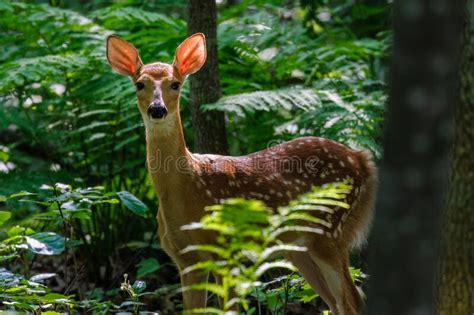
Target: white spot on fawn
pixel 208 192
pixel 342 163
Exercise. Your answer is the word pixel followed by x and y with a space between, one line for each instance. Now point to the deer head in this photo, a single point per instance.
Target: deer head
pixel 157 84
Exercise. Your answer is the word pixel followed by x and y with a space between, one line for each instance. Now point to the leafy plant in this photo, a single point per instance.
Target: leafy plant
pixel 63 208
pixel 29 295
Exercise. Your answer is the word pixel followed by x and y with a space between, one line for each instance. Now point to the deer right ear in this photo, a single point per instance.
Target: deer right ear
pixel 122 56
pixel 190 55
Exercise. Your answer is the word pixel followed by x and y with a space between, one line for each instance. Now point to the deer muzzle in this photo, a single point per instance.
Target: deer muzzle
pixel 157 110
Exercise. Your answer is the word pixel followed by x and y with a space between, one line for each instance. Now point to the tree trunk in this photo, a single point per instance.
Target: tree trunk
pixel 405 244
pixel 209 127
pixel 456 274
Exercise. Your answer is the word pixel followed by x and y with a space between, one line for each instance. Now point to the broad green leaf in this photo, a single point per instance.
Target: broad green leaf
pixel 4 216
pixel 139 286
pixel 132 203
pixel 45 243
pixel 147 266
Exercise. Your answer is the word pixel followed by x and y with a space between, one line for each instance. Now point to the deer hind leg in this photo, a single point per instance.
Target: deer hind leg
pixel 313 275
pixel 334 267
pixel 193 299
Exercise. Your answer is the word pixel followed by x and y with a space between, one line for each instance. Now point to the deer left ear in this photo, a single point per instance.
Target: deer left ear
pixel 122 56
pixel 190 55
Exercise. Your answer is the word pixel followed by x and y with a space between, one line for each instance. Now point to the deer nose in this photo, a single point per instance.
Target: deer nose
pixel 157 110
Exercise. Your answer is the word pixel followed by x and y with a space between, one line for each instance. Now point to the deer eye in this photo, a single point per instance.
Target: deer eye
pixel 140 86
pixel 175 85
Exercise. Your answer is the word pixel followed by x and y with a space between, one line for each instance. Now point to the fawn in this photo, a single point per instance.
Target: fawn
pixel 186 183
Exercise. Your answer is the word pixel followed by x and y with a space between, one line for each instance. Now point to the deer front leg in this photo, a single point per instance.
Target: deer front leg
pixel 193 299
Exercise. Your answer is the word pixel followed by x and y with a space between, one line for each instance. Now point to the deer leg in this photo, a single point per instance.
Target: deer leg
pixel 313 275
pixel 355 295
pixel 334 269
pixel 193 299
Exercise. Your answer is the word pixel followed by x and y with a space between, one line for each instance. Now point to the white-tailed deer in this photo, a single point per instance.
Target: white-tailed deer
pixel 186 183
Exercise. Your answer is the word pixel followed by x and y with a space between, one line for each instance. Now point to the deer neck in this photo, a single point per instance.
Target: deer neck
pixel 169 161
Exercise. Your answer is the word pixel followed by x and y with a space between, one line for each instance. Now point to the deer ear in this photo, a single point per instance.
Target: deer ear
pixel 190 55
pixel 122 56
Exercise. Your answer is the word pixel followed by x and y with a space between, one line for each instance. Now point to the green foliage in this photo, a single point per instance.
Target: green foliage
pixel 339 75
pixel 29 295
pixel 147 266
pixel 133 203
pixel 59 207
pixel 249 238
pixel 349 120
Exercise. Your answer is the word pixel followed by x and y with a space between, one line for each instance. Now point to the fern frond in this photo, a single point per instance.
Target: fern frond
pixel 287 99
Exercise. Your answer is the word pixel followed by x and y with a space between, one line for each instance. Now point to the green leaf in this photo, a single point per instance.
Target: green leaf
pixel 132 203
pixel 19 230
pixel 147 266
pixel 42 276
pixel 4 216
pixel 22 194
pixel 45 243
pixel 276 264
pixel 139 286
pixel 211 287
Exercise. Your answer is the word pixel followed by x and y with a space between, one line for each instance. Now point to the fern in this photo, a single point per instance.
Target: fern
pixel 43 68
pixel 355 122
pixel 286 99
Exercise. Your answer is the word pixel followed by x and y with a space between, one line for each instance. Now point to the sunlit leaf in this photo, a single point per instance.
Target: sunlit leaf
pixel 4 216
pixel 45 243
pixel 132 203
